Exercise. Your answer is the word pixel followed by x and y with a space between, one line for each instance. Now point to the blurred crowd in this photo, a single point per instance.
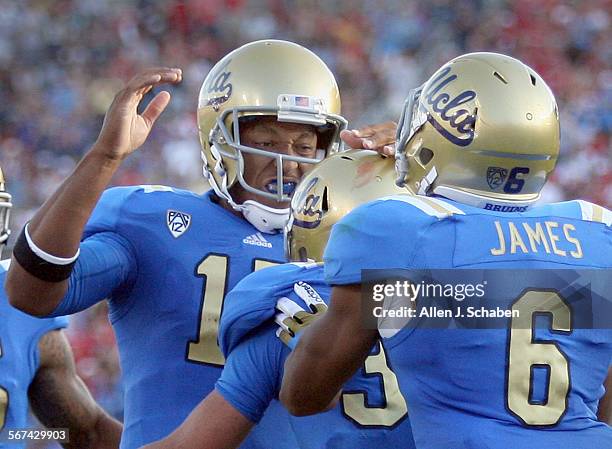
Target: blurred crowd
pixel 61 61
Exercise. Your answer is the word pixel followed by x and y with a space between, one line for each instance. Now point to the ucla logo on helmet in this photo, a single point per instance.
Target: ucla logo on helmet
pixel 496 176
pixel 219 89
pixel 308 213
pixel 447 113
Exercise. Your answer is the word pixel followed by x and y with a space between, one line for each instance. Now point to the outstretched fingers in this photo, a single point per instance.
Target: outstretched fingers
pixel 379 137
pixel 155 108
pixel 152 77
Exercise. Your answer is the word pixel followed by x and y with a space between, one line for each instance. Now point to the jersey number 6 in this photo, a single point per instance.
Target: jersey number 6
pixel 526 353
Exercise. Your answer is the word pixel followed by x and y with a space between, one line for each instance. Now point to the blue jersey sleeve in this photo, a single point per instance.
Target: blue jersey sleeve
pixel 105 216
pixel 383 234
pixel 106 264
pixel 252 301
pixel 107 261
pixel 253 373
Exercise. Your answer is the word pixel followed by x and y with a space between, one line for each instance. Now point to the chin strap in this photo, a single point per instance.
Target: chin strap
pixel 427 181
pixel 265 219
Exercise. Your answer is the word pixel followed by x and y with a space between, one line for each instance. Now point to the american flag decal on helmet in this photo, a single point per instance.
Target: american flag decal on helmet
pixel 178 222
pixel 302 101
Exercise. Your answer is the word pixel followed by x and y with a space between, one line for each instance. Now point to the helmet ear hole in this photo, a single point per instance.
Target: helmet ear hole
pixel 324 202
pixel 425 156
pixel 303 254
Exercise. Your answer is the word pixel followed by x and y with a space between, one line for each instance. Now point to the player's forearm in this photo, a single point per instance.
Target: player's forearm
pixel 213 424
pixel 604 414
pixel 106 434
pixel 59 398
pixel 90 426
pixel 327 355
pixel 58 225
pixel 57 228
pixel 306 388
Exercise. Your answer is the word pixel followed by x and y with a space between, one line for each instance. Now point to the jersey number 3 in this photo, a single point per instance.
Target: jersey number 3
pixel 394 409
pixel 214 269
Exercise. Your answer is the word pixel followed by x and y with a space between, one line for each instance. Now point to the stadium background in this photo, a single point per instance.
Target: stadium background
pixel 61 61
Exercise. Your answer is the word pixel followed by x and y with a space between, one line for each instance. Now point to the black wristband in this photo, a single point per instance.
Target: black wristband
pixel 36 266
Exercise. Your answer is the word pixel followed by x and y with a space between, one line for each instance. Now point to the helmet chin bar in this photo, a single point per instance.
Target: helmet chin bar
pixel 265 219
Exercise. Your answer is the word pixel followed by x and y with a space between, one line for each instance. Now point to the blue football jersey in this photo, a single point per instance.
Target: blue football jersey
pixel 372 412
pixel 537 386
pixel 19 337
pixel 165 259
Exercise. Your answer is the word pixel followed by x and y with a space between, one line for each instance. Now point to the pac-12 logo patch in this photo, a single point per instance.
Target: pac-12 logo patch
pixel 178 222
pixel 496 176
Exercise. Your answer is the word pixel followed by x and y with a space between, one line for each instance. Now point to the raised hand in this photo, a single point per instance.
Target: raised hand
pixel 379 137
pixel 292 318
pixel 124 130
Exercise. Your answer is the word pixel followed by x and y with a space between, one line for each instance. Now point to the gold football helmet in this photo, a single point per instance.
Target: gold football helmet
pixel 264 78
pixel 5 211
pixel 483 130
pixel 330 191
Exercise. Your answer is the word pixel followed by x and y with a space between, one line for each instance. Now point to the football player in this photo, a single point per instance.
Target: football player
pixel 373 412
pixel 477 143
pixel 36 366
pixel 166 257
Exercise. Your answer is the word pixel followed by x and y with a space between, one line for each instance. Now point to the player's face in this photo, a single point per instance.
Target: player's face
pixel 268 134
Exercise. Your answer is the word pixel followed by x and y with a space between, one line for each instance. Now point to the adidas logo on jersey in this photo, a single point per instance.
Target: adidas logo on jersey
pixel 257 240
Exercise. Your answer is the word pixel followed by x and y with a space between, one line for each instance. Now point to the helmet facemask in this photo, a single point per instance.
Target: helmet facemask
pixel 225 143
pixel 411 120
pixel 228 144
